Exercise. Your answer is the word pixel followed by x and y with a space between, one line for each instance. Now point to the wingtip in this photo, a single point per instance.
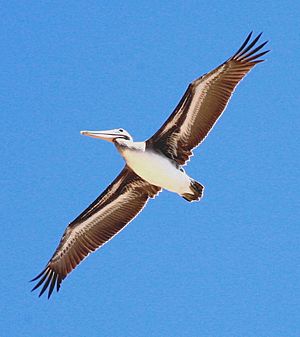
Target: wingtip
pixel 259 35
pixel 48 279
pixel 39 275
pixel 248 52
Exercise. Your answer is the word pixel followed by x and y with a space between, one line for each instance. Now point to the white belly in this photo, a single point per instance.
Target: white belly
pixel 157 170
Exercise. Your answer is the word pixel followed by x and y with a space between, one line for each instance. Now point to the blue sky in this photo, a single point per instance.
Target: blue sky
pixel 227 266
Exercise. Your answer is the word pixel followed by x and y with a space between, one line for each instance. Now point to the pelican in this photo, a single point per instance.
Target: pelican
pixel 152 165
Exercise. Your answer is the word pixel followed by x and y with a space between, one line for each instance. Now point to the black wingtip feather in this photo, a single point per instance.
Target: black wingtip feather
pixel 58 283
pixel 244 43
pixel 253 51
pixel 257 56
pixel 48 278
pixel 38 276
pixel 245 50
pixel 52 285
pixel 246 53
pixel 44 276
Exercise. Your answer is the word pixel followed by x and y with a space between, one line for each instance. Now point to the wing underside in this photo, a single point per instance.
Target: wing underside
pixel 203 103
pixel 100 222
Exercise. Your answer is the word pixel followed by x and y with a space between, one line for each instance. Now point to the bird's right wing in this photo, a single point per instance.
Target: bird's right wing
pixel 124 198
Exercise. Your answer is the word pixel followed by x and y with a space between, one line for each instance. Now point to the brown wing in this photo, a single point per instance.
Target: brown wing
pixel 203 103
pixel 103 219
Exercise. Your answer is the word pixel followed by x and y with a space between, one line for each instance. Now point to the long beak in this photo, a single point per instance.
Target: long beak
pixel 107 135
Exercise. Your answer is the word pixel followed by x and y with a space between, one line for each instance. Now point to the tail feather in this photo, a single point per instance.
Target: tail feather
pixel 196 191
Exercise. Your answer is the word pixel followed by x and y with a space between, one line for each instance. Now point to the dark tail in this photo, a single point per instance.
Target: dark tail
pixel 196 191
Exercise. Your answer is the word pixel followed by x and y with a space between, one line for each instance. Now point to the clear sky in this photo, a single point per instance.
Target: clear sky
pixel 227 266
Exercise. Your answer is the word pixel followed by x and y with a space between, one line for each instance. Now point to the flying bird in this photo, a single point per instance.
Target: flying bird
pixel 152 165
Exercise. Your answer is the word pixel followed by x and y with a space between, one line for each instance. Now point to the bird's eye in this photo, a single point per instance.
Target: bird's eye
pixel 181 169
pixel 121 130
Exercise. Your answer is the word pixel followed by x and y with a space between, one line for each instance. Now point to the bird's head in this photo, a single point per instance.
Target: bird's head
pixel 109 135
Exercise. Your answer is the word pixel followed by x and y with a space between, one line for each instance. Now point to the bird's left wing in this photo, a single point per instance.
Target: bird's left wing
pixel 124 198
pixel 203 103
